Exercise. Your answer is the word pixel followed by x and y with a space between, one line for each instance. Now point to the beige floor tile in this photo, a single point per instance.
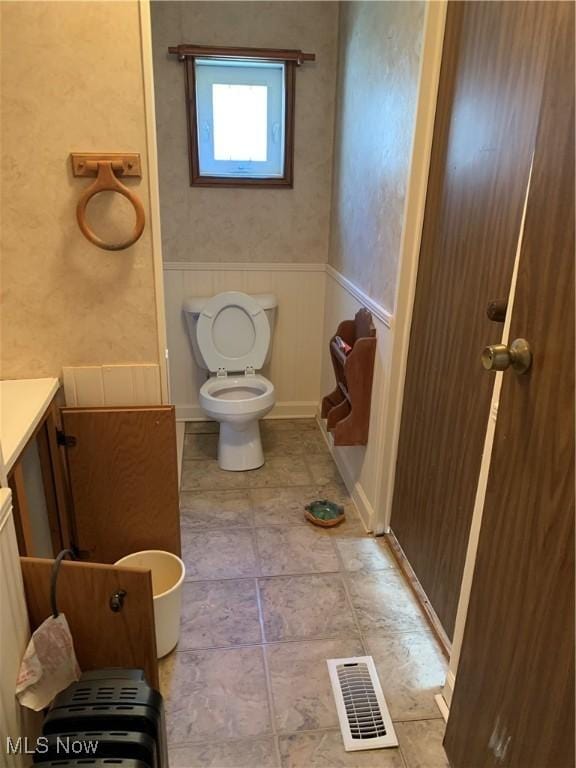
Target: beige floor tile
pixel 279 472
pixel 364 553
pixel 281 425
pixel 301 688
pixel 383 601
pixel 215 509
pixel 281 506
pixel 218 554
pixel 421 743
pixel 206 475
pixel 200 446
pixel 290 607
pixel 325 749
pixel 257 753
pixel 285 506
pixel 412 670
pixel 293 442
pixel 323 470
pixel 202 427
pixel 219 613
pixel 294 550
pixel 214 695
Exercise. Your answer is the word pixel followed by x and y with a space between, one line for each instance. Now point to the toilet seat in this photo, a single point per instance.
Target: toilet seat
pixel 233 333
pixel 236 395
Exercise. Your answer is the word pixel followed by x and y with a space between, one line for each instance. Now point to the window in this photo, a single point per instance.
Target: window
pixel 240 104
pixel 240 119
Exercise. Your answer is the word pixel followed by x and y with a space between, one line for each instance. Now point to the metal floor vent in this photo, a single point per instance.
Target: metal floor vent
pixel 364 718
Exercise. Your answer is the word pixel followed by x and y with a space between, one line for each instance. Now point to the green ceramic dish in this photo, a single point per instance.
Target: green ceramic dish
pixel 324 513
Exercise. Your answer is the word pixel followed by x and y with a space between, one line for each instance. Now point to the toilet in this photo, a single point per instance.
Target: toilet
pixel 231 339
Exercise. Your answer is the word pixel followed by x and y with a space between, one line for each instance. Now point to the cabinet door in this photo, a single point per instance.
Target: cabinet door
pixel 102 637
pixel 123 479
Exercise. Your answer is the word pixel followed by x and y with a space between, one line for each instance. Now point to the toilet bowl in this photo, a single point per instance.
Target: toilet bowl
pixel 238 402
pixel 231 336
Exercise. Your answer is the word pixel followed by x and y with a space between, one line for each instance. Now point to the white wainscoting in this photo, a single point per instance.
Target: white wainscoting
pixel 361 467
pixel 112 385
pixel 295 364
pixel 15 721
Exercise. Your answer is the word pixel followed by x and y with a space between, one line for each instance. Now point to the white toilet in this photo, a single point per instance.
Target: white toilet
pixel 231 334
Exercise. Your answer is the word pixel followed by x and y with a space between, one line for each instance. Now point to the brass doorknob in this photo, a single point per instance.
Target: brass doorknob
pixel 499 357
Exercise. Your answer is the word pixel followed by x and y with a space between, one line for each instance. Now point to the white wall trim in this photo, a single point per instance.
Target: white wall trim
pixel 231 266
pixel 448 689
pixel 154 192
pixel 359 498
pixel 377 309
pixel 442 706
pixel 228 266
pixel 283 410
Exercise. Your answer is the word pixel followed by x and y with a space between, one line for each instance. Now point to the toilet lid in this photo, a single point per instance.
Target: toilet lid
pixel 233 333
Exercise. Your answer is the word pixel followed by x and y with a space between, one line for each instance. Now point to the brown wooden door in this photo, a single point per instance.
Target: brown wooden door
pixel 123 477
pixel 513 702
pixel 487 114
pixel 102 637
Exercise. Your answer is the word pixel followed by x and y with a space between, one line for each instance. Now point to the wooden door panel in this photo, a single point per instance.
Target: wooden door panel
pixel 513 702
pixel 124 480
pixel 489 95
pixel 102 638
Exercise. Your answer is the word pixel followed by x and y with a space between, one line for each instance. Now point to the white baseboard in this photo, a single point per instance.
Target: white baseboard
pixel 361 502
pixel 283 410
pixel 448 689
pixel 442 706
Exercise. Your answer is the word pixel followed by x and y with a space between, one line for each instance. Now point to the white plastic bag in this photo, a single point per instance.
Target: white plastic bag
pixel 49 664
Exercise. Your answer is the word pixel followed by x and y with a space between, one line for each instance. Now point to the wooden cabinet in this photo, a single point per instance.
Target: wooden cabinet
pixel 39 493
pixel 102 482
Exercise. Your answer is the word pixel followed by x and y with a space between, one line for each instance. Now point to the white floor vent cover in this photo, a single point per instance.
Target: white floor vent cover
pixel 364 718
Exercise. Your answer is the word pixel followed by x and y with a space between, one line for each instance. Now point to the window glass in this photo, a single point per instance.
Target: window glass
pixel 240 118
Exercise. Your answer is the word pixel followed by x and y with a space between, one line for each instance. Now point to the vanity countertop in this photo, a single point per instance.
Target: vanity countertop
pixel 23 403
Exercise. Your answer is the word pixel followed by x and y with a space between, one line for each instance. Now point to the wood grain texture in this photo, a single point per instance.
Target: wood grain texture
pixel 52 509
pixel 102 638
pixel 513 702
pixel 21 510
pixel 59 475
pixel 124 480
pixel 489 95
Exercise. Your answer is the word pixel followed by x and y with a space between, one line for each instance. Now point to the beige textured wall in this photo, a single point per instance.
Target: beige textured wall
pixel 247 225
pixel 71 81
pixel 379 58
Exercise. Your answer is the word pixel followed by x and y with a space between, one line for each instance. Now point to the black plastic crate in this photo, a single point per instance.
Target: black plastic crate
pixel 113 691
pixel 110 700
pixel 93 762
pixel 103 717
pixel 114 744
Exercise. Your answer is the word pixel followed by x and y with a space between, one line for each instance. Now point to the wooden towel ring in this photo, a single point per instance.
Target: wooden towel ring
pixel 107 181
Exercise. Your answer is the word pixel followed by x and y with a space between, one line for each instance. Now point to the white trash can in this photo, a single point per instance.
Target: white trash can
pixel 168 573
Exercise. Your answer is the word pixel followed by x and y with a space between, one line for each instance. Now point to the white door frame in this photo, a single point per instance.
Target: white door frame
pixel 154 193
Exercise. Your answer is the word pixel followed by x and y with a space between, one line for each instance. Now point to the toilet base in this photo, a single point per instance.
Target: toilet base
pixel 240 447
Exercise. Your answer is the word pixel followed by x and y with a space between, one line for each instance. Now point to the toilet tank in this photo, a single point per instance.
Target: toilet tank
pixel 194 305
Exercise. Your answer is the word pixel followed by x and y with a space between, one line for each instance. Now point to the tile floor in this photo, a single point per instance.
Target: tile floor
pixel 268 598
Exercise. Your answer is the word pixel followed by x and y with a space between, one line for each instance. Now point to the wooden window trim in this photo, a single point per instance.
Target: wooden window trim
pixel 291 58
